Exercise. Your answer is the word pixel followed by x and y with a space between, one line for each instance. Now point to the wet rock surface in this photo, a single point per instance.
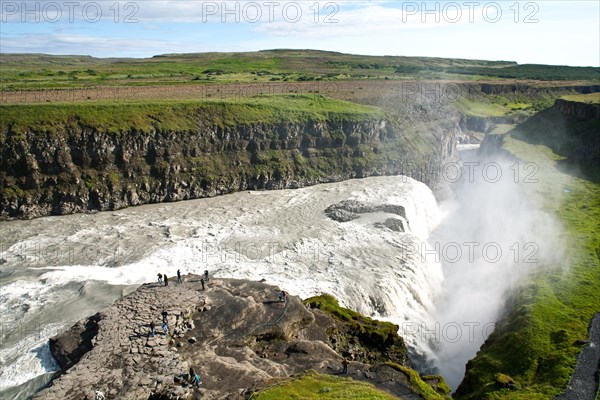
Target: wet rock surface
pixel 393 224
pixel 236 335
pixel 348 210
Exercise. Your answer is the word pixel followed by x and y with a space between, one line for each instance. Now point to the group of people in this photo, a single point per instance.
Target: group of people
pixel 164 278
pixel 193 377
pixel 165 315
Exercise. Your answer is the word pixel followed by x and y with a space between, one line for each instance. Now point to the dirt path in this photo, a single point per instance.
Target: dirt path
pixel 407 91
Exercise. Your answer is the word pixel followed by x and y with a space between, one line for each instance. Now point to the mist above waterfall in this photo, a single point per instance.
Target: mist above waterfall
pixel 493 236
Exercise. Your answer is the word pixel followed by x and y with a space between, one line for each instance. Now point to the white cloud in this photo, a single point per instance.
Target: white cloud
pixel 240 11
pixel 567 33
pixel 367 19
pixel 100 46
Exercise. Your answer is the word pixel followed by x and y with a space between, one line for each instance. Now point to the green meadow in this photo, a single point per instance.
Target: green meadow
pixel 179 115
pixel 39 71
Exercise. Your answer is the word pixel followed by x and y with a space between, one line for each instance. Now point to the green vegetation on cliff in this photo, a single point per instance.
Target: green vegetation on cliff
pixel 573 137
pixel 591 98
pixel 370 332
pixel 380 341
pixel 101 156
pixel 180 115
pixel 532 353
pixel 319 386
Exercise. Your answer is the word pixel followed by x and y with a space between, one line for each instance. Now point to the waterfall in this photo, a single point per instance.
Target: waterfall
pixel 62 269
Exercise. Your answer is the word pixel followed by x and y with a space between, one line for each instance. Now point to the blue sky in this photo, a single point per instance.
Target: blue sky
pixel 548 32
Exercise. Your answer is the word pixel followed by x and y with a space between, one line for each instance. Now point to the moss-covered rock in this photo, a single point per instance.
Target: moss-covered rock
pixel 359 337
pixel 506 382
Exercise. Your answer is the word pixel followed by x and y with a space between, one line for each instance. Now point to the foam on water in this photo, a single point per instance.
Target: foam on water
pixel 28 358
pixel 283 237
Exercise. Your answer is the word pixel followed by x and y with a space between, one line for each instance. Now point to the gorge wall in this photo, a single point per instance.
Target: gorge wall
pixel 81 169
pixel 570 129
pixel 61 165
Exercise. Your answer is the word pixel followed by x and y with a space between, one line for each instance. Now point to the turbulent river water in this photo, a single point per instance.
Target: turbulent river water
pixel 58 270
pixel 61 269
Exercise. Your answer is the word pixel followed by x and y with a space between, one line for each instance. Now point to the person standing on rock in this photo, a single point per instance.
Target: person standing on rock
pixel 206 275
pixel 345 363
pixel 159 277
pixel 166 280
pixel 282 296
pixel 179 280
pixel 165 315
pixel 152 329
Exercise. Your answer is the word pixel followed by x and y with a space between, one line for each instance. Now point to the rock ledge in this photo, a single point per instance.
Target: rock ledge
pixel 236 335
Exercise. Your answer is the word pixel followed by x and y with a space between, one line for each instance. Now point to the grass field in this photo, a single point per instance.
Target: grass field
pixel 179 115
pixel 481 109
pixel 37 71
pixel 593 98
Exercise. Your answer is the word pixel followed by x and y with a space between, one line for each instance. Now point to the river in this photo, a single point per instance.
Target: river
pixel 61 269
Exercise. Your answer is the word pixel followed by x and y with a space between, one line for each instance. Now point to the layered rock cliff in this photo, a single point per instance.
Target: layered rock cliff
pixel 60 159
pixel 570 129
pixel 577 109
pixel 525 88
pixel 68 167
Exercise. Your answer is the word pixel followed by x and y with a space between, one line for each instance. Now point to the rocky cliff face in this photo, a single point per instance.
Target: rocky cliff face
pixel 527 89
pixel 570 129
pixel 77 169
pixel 484 125
pixel 81 170
pixel 236 335
pixel 579 110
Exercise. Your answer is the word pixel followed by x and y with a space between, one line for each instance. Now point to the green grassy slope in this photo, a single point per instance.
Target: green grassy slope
pixel 591 98
pixel 570 137
pixel 318 386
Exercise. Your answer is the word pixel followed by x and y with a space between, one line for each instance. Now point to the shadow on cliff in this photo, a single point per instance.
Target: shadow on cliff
pixel 570 129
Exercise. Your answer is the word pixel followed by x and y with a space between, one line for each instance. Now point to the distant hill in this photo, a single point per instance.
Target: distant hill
pixel 39 71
